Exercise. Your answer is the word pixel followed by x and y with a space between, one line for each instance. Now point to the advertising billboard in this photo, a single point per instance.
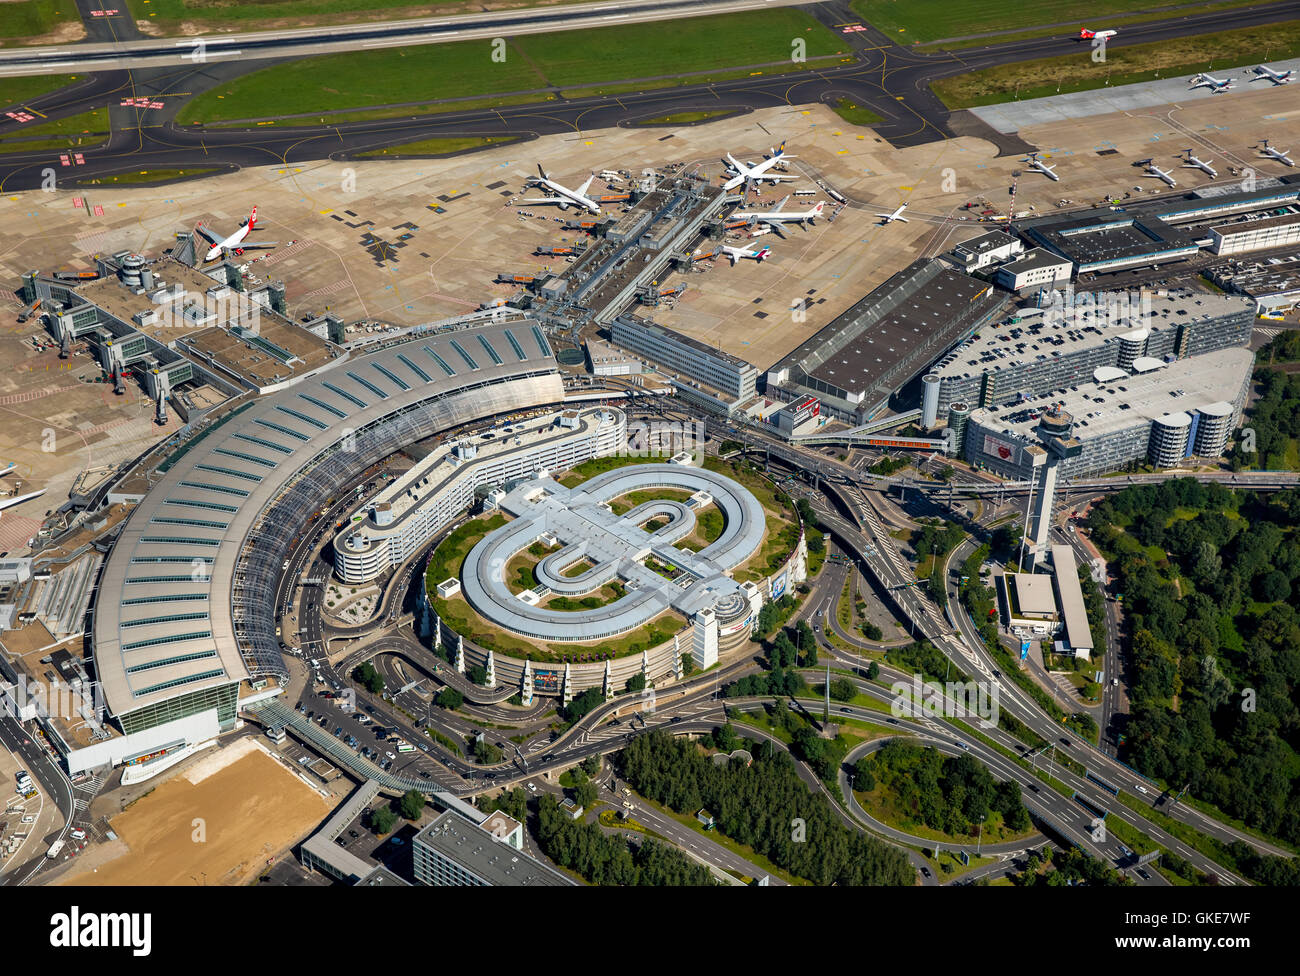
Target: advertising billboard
pixel 778 586
pixel 1000 449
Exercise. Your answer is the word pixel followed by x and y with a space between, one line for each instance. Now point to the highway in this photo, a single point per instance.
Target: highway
pixel 891 80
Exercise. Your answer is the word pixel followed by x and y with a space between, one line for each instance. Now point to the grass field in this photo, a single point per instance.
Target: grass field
pixel 144 177
pixel 73 132
pixel 437 147
pixel 168 15
pixel 1123 66
pixel 687 118
pixel 32 18
pixel 855 114
pixel 923 21
pixel 465 69
pixel 16 91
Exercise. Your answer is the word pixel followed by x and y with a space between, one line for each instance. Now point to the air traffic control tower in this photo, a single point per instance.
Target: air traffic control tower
pixel 1056 433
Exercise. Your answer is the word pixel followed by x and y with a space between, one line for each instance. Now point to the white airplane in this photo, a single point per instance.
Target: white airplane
pixel 1273 153
pixel 1264 72
pixel 1194 163
pixel 236 243
pixel 736 253
pixel 775 218
pixel 1038 166
pixel 758 172
pixel 1161 174
pixel 889 218
pixel 1217 85
pixel 565 197
pixel 1101 35
pixel 10 502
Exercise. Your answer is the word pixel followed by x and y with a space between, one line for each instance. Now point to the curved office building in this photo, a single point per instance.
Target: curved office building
pixel 616 546
pixel 185 610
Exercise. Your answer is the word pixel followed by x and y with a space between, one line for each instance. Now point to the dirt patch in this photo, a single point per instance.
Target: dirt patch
pixel 218 822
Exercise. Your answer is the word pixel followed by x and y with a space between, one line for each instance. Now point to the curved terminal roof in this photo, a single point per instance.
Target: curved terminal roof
pixel 1145 364
pixel 617 546
pixel 1175 420
pixel 1221 408
pixel 1108 374
pixel 185 597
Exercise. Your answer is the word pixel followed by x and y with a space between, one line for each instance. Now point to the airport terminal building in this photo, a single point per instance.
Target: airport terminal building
pixel 185 626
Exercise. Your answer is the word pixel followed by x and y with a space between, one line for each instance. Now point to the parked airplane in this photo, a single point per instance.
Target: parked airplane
pixel 736 253
pixel 1193 163
pixel 236 243
pixel 889 218
pixel 758 172
pixel 1264 72
pixel 1209 81
pixel 1161 174
pixel 564 197
pixel 1101 35
pixel 1279 154
pixel 10 502
pixel 775 218
pixel 1038 166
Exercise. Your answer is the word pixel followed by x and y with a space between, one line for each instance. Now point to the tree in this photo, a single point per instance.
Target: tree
pixel 486 754
pixel 842 689
pixel 412 804
pixel 590 765
pixel 872 632
pixel 688 664
pixel 366 675
pixel 477 674
pixel 449 698
pixel 585 794
pixel 864 778
pixel 636 683
pixel 873 671
pixel 382 820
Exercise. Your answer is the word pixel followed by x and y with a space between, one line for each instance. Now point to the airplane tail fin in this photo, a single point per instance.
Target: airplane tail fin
pixel 541 172
pixel 763 253
pixel 252 219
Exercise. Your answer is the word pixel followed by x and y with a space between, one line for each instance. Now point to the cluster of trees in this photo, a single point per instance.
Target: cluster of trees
pixel 486 754
pixel 1072 866
pixel 1274 421
pixel 937 538
pixel 636 683
pixel 764 805
pixel 585 792
pixel 773 614
pixel 411 805
pixel 604 859
pixel 365 675
pixel 582 704
pixel 842 689
pixel 887 465
pixel 449 698
pixel 923 658
pixel 949 793
pixel 783 657
pixel 477 674
pixel 513 803
pixel 1215 642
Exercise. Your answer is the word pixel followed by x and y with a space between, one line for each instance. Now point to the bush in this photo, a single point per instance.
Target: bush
pixel 412 804
pixel 382 820
pixel 842 689
pixel 366 676
pixel 449 698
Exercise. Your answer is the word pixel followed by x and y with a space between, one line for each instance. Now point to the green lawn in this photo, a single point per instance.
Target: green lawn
pixel 17 91
pixel 921 21
pixel 32 18
pixel 73 132
pixel 855 114
pixel 437 147
pixel 144 177
pixel 686 118
pixel 465 68
pixel 1123 66
pixel 168 15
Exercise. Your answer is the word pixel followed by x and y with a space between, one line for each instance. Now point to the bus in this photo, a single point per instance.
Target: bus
pixel 405 747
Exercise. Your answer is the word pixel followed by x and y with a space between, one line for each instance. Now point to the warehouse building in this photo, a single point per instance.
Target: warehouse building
pixel 1106 239
pixel 1274 285
pixel 1035 269
pixel 451 851
pixel 987 249
pixel 861 358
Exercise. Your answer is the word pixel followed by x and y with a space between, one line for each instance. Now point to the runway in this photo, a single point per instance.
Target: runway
pixel 892 81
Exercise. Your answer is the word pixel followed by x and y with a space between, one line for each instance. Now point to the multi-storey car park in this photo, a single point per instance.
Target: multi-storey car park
pixel 408 512
pixel 1056 345
pixel 1163 414
pixel 183 618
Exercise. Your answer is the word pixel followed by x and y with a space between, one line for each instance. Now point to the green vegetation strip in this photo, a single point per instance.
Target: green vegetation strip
pixel 855 114
pixel 16 91
pixel 437 147
pixel 1123 66
pixel 34 18
pixel 145 177
pixel 537 61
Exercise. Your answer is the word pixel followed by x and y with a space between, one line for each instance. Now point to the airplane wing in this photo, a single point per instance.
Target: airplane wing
pixel 547 200
pixel 903 219
pixel 775 228
pixel 207 235
pixel 261 245
pixel 582 190
pixel 780 206
pixel 780 177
